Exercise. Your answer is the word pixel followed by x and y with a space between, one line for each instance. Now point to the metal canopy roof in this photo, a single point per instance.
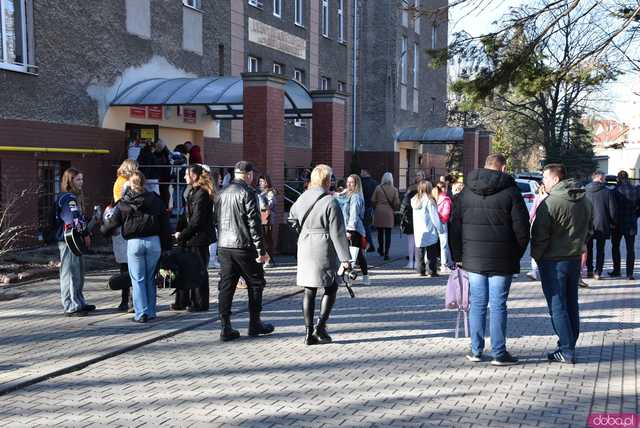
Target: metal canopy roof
pixel 223 96
pixel 431 135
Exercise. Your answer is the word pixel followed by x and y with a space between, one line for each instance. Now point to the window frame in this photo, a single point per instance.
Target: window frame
pixel 298 13
pixel 197 4
pixel 249 64
pixel 298 72
pixel 434 35
pixel 4 60
pixel 277 3
pixel 277 65
pixel 324 18
pixel 325 83
pixel 340 86
pixel 416 64
pixel 404 53
pixel 256 3
pixel 341 21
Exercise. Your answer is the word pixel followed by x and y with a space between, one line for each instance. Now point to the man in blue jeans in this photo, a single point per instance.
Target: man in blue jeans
pixel 564 221
pixel 488 234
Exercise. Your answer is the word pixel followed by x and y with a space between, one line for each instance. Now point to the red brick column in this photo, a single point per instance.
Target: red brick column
pixel 328 130
pixel 477 146
pixel 263 131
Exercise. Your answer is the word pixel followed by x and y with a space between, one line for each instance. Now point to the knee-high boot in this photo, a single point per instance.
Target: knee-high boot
pixel 126 292
pixel 256 326
pixel 308 310
pixel 328 300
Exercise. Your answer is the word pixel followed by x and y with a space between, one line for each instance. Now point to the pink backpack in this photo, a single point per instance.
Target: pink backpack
pixel 458 297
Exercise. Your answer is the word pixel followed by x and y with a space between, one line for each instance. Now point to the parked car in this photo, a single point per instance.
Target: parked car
pixel 528 188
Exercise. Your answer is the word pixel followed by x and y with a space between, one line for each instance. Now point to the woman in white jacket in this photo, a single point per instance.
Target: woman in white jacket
pixel 426 228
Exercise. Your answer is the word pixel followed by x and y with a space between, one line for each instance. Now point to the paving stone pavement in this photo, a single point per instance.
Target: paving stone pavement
pixel 394 362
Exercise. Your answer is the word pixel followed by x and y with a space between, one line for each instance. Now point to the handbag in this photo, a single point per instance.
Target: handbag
pixel 457 297
pixel 119 281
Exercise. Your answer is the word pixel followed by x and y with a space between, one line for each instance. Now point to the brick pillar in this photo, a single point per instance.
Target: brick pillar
pixel 328 130
pixel 477 146
pixel 263 130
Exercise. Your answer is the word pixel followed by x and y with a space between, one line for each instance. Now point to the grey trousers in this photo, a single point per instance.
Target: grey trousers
pixel 71 279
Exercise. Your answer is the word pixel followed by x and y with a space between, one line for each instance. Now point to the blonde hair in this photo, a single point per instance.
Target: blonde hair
pixel 321 176
pixel 387 178
pixel 136 182
pixel 127 168
pixel 358 181
pixel 425 188
pixel 66 184
pixel 457 187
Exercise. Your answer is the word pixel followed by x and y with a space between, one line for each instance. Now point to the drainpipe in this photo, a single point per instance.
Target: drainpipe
pixel 355 78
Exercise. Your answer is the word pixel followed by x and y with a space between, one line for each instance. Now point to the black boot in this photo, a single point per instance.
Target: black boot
pixel 256 326
pixel 124 301
pixel 310 338
pixel 328 301
pixel 227 333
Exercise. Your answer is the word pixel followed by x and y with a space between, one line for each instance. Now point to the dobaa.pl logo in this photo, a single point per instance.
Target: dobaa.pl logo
pixel 613 420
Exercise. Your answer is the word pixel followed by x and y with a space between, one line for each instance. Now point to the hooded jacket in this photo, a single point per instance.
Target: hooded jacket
pixel 427 226
pixel 489 226
pixel 563 223
pixel 141 215
pixel 628 200
pixel 604 209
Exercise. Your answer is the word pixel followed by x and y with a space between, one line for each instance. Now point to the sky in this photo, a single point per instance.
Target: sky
pixel 622 97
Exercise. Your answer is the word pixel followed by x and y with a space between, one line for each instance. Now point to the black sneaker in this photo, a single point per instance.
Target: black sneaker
pixel 614 273
pixel 505 359
pixel 559 357
pixel 474 358
pixel 143 319
pixel 80 313
pixel 89 308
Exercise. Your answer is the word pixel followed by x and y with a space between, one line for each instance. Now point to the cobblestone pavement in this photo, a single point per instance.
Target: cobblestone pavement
pixel 394 362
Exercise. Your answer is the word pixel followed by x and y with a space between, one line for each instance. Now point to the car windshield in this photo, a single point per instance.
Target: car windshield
pixel 524 187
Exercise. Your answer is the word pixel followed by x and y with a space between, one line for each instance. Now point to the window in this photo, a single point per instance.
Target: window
pixel 416 23
pixel 277 8
pixel 403 60
pixel 325 18
pixel 49 175
pixel 298 12
pixel 405 13
pixel 298 75
pixel 256 3
pixel 434 36
pixel 325 83
pixel 196 4
pixel 13 35
pixel 341 20
pixel 416 64
pixel 277 68
pixel 253 64
pixel 341 86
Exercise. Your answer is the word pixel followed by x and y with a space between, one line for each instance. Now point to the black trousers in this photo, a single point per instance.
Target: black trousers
pixel 432 252
pixel 197 298
pixel 236 263
pixel 384 240
pixel 599 255
pixel 629 242
pixel 356 241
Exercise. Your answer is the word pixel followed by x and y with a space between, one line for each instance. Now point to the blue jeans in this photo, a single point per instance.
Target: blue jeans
pixel 492 290
pixel 143 255
pixel 71 279
pixel 560 287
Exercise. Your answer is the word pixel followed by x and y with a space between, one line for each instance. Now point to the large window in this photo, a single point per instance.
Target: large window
pixel 434 36
pixel 403 60
pixel 325 18
pixel 341 20
pixel 277 8
pixel 298 76
pixel 299 12
pixel 13 35
pixel 416 64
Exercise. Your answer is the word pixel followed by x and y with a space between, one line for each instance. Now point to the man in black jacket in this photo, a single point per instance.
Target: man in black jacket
pixel 241 251
pixel 368 187
pixel 604 218
pixel 628 200
pixel 488 234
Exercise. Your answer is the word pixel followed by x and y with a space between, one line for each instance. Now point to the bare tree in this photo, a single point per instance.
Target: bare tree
pixel 12 232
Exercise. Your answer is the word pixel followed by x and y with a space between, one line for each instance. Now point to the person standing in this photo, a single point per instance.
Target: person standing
pixel 322 248
pixel 440 194
pixel 119 244
pixel 195 233
pixel 386 201
pixel 69 213
pixel 353 211
pixel 241 251
pixel 143 218
pixel 368 187
pixel 562 225
pixel 195 154
pixel 267 215
pixel 406 219
pixel 604 218
pixel 427 228
pixel 148 168
pixel 489 233
pixel 162 157
pixel 628 201
pixel 178 159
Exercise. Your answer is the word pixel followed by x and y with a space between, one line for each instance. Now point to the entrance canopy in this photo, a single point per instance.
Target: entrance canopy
pixel 223 96
pixel 431 135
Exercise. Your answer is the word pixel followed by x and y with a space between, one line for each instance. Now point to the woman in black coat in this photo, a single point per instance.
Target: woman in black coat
pixel 195 233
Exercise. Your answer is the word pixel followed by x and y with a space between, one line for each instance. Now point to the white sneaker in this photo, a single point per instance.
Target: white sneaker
pixel 409 265
pixel 444 270
pixel 365 280
pixel 532 275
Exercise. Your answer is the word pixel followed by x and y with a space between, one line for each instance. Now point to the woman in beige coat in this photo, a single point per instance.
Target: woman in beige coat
pixel 386 201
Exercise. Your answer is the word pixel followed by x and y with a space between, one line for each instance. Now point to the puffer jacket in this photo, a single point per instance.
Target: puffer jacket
pixel 238 218
pixel 628 199
pixel 489 226
pixel 141 215
pixel 604 209
pixel 196 227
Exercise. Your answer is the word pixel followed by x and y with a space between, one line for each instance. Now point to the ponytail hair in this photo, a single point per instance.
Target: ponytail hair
pixel 203 179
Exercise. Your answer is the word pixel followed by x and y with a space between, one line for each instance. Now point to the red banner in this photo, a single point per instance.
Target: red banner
pixel 139 112
pixel 154 112
pixel 189 115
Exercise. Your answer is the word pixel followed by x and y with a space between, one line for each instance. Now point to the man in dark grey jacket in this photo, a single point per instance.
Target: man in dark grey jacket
pixel 241 251
pixel 604 218
pixel 628 199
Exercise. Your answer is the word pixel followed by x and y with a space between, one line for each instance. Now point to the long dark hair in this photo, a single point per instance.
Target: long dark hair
pixel 203 178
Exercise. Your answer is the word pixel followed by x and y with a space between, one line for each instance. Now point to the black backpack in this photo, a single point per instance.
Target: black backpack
pixel 54 222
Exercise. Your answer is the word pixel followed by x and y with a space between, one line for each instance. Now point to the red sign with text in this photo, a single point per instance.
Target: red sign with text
pixel 154 112
pixel 189 115
pixel 139 112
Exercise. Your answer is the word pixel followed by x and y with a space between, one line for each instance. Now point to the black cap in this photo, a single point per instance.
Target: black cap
pixel 243 167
